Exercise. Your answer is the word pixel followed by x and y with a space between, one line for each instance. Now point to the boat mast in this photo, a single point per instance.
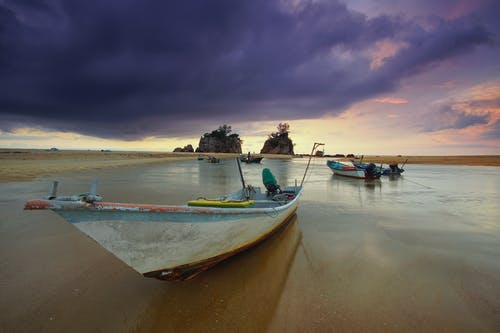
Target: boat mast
pixel 316 145
pixel 241 173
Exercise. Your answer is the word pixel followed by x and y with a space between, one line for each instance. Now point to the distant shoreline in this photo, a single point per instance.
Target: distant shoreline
pixel 471 160
pixel 27 164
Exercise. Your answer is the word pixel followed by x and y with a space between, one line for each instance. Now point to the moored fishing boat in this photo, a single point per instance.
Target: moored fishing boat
pixel 178 242
pixel 392 170
pixel 347 169
pixel 251 159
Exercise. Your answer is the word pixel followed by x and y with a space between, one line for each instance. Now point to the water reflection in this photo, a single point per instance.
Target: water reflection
pixel 247 288
pixel 215 175
pixel 340 181
pixel 281 168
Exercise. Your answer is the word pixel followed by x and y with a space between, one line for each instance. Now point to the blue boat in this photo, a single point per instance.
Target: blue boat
pixel 351 170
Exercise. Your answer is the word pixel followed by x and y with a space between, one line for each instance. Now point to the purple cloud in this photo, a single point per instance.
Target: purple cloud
pixel 447 117
pixel 129 69
pixel 493 132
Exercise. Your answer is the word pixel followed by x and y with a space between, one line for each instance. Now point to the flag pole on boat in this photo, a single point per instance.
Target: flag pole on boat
pixel 316 145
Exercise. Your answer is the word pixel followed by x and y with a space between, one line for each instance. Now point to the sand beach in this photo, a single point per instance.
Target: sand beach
pixel 26 164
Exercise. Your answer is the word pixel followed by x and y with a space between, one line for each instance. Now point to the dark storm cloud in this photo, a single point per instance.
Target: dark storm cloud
pixel 129 69
pixel 449 117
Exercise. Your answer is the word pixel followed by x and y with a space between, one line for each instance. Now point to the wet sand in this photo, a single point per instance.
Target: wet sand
pixel 388 256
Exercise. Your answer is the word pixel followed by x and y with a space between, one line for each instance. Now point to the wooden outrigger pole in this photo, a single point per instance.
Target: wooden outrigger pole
pixel 316 145
pixel 241 173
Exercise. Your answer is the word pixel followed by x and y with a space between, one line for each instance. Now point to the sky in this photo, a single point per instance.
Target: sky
pixel 362 76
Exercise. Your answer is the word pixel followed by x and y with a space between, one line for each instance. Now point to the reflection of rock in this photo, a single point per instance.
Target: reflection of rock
pixel 210 144
pixel 186 149
pixel 242 292
pixel 281 144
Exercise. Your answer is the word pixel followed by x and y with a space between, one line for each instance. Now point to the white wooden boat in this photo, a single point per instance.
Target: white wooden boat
pixel 178 242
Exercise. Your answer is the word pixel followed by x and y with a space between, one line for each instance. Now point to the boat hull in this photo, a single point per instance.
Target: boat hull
pixel 188 271
pixel 353 171
pixel 350 173
pixel 345 170
pixel 252 159
pixel 171 242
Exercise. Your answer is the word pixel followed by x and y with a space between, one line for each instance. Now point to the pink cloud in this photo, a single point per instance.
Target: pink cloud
pixel 471 115
pixel 391 100
pixel 448 84
pixel 384 50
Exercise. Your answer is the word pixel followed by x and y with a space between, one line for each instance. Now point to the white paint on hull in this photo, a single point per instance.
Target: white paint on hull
pixel 165 243
pixel 350 173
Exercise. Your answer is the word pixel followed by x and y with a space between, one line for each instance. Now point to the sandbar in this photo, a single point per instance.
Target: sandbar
pixel 27 164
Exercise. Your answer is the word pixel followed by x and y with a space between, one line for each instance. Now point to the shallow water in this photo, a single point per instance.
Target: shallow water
pixel 418 252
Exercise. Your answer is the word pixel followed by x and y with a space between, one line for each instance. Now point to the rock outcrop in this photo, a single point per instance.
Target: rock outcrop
pixel 220 141
pixel 228 144
pixel 186 149
pixel 280 144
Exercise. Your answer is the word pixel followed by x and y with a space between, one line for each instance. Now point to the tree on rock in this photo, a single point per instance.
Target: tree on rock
pixel 283 128
pixel 279 142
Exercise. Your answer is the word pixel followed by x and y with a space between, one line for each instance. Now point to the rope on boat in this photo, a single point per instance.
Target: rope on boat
pixel 427 187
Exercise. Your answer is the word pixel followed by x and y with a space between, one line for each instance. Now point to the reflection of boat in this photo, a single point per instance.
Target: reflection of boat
pixel 350 170
pixel 392 170
pixel 234 290
pixel 178 242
